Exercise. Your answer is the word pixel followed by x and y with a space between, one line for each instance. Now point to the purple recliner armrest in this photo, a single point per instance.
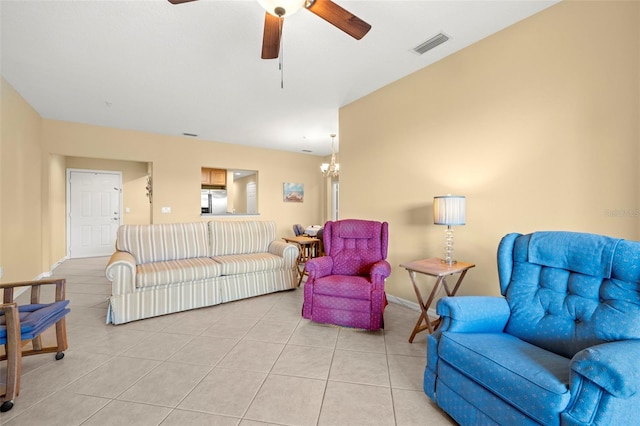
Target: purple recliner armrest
pixel 319 267
pixel 381 267
pixel 379 272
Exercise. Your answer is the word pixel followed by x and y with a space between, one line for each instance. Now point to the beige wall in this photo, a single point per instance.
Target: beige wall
pixel 54 166
pixel 176 165
pixel 537 125
pixel 21 240
pixel 36 152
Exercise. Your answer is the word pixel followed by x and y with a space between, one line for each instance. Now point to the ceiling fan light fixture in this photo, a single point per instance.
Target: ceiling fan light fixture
pixel 281 8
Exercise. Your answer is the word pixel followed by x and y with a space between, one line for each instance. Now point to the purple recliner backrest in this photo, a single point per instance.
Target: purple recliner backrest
pixel 355 245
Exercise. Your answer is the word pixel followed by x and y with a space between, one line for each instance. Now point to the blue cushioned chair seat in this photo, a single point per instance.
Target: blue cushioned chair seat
pixel 529 378
pixel 34 319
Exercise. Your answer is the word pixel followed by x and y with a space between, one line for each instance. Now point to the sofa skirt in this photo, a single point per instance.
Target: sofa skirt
pixel 149 302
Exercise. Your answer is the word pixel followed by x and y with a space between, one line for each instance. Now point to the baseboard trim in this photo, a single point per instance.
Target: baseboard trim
pixel 58 263
pixel 409 304
pixel 43 275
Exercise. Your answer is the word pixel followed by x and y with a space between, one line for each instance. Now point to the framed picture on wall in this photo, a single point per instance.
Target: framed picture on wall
pixel 293 192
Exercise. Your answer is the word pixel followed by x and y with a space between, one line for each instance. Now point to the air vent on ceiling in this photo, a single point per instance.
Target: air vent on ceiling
pixel 430 44
pixel 193 135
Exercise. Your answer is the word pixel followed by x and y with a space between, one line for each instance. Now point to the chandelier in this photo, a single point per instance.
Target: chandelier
pixel 331 169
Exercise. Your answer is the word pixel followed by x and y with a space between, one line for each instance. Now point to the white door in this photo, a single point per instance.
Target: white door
pixel 252 198
pixel 93 212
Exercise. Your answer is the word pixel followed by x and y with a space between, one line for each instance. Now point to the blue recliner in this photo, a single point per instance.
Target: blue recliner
pixel 562 347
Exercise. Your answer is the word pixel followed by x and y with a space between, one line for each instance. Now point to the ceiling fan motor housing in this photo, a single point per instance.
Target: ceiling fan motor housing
pixel 281 8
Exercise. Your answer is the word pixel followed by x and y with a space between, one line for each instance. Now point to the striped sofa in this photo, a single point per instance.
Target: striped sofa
pixel 165 268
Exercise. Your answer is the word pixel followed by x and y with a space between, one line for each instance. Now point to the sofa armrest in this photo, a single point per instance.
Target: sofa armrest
pixel 283 249
pixel 473 314
pixel 121 271
pixel 613 366
pixel 319 267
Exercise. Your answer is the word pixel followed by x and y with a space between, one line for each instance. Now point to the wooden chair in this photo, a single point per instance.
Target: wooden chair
pixel 20 324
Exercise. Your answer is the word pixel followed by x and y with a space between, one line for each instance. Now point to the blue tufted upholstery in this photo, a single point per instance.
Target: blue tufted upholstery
pixel 562 346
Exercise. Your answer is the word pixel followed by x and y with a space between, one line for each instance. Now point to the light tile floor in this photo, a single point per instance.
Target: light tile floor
pixel 250 362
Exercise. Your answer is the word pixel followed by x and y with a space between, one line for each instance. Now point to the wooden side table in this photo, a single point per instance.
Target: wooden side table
pixel 309 248
pixel 434 268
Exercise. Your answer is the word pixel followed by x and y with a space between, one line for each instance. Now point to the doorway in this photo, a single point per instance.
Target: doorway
pixel 94 200
pixel 335 198
pixel 252 198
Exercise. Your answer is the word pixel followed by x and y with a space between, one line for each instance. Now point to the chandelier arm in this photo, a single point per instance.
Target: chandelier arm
pixel 333 168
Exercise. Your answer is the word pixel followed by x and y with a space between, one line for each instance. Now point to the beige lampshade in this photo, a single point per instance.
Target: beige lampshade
pixel 449 210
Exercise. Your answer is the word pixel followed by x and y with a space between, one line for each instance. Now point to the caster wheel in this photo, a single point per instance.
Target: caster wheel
pixel 59 356
pixel 6 406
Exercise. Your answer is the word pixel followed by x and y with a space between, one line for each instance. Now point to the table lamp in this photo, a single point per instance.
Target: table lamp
pixel 449 210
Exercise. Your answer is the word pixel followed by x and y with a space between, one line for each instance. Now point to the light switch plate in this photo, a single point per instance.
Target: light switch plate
pixel 165 210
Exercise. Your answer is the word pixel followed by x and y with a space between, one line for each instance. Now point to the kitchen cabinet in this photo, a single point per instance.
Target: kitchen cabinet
pixel 214 177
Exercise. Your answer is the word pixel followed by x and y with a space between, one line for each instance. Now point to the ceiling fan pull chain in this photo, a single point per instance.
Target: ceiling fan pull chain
pixel 281 58
pixel 281 68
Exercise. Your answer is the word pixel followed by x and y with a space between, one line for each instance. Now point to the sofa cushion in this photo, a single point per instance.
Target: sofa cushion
pixel 240 237
pixel 530 378
pixel 247 263
pixel 176 271
pixel 166 241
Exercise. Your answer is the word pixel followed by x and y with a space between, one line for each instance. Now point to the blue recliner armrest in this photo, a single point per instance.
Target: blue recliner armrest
pixel 612 366
pixel 604 385
pixel 464 314
pixel 473 314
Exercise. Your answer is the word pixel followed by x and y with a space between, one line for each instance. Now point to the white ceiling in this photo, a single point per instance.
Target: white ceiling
pixel 152 66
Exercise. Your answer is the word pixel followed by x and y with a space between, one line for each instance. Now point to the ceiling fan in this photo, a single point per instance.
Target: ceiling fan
pixel 277 10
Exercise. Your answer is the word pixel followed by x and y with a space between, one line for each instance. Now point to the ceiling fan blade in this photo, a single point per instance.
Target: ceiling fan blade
pixel 271 36
pixel 339 17
pixel 179 1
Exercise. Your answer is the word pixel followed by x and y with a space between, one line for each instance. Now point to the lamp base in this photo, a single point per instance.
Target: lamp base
pixel 448 246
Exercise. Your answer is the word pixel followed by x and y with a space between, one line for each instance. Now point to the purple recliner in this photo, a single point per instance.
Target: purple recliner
pixel 346 285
